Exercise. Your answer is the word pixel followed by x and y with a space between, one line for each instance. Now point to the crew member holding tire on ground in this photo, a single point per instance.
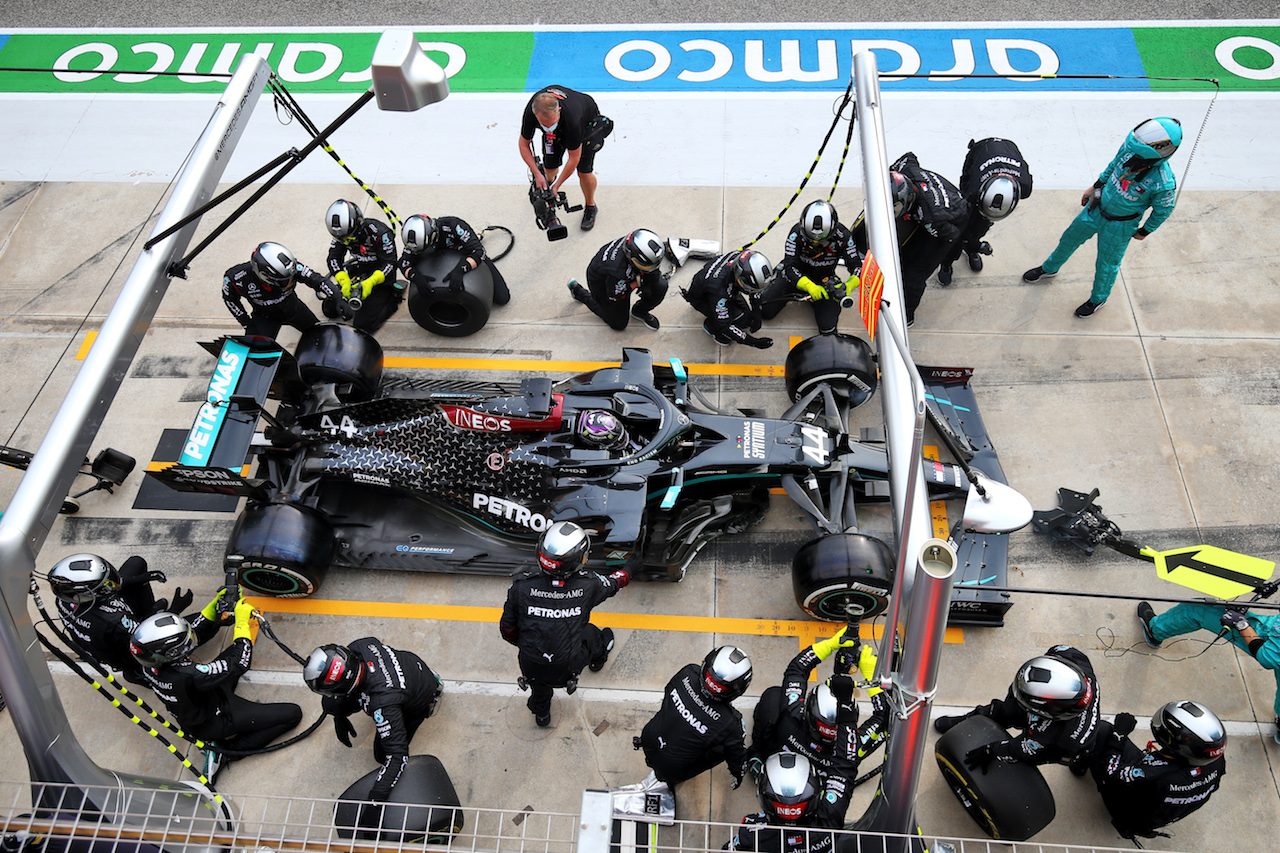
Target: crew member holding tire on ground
pixel 815 245
pixel 422 235
pixel 628 264
pixel 726 291
pixel 268 282
pixel 1054 700
pixel 1175 775
pixel 571 124
pixel 394 687
pixel 697 726
pixel 547 616
pixel 202 695
pixel 994 177
pixel 370 274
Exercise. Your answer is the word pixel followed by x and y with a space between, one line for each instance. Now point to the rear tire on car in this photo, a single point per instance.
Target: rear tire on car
pixel 1010 801
pixel 843 577
pixel 332 353
pixel 436 309
pixel 282 550
pixel 842 361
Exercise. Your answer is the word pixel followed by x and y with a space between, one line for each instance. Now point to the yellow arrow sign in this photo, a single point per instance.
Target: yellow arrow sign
pixel 1212 571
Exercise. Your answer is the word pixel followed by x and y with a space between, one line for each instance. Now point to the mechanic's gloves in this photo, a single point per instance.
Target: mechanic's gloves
pixel 841 688
pixel 181 600
pixel 620 577
pixel 755 766
pixel 343 729
pixel 454 276
pixel 244 615
pixel 812 288
pixel 366 287
pixel 737 783
pixel 980 757
pixel 1234 619
pixel 758 343
pixel 852 284
pixel 1124 724
pixel 825 648
pixel 344 282
pixel 210 610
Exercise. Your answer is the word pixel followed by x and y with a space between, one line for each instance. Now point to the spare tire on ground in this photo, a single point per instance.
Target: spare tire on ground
pixel 435 309
pixel 416 812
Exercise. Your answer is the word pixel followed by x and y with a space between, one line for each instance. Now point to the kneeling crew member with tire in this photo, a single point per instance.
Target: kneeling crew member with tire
pixel 1054 700
pixel 697 726
pixel 547 616
pixel 394 687
pixel 627 264
pixel 370 274
pixel 726 291
pixel 423 234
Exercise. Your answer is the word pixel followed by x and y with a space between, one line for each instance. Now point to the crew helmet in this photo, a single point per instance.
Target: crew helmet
pixel 274 264
pixel 563 549
pixel 787 787
pixel 818 220
pixel 418 233
pixel 601 428
pixel 726 673
pixel 162 638
pixel 1156 138
pixel 1052 687
pixel 751 271
pixel 343 218
pixel 644 250
pixel 83 579
pixel 333 670
pixel 820 713
pixel 999 197
pixel 1189 730
pixel 903 192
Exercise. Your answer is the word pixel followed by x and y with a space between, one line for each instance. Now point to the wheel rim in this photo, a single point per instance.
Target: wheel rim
pixel 841 604
pixel 449 315
pixel 276 582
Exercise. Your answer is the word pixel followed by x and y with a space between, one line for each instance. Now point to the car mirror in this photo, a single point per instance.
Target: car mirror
pixel 1002 510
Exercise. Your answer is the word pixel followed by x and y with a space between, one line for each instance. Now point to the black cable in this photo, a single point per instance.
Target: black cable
pixel 510 245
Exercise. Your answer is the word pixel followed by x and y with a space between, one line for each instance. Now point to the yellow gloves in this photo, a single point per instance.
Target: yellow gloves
pixel 244 615
pixel 811 287
pixel 367 286
pixel 867 668
pixel 825 648
pixel 344 281
pixel 210 610
pixel 852 284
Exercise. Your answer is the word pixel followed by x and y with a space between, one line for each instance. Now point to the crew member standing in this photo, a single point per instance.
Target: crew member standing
pixel 994 178
pixel 571 124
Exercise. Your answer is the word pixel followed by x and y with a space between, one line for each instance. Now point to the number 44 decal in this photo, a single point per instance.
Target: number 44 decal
pixel 815 444
pixel 347 426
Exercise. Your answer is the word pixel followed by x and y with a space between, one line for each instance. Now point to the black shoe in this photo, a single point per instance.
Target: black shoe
pixel 589 217
pixel 1276 735
pixel 598 664
pixel 1079 766
pixel 1037 273
pixel 579 292
pixel 911 321
pixel 942 725
pixel 975 260
pixel 646 318
pixel 1089 308
pixel 543 720
pixel 1145 615
pixel 721 341
pixel 944 275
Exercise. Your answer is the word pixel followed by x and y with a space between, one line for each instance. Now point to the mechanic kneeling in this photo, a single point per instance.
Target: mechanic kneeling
pixel 423 235
pixel 394 687
pixel 547 616
pixel 370 275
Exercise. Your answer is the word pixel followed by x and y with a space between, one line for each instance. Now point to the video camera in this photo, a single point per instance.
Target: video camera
pixel 545 202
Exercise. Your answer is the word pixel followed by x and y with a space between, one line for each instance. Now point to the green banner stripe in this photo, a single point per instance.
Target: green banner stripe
pixel 1243 58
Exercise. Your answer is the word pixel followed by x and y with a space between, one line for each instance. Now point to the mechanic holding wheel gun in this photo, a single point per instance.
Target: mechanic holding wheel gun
pixel 367 281
pixel 547 616
pixel 423 235
pixel 268 282
pixel 394 687
pixel 808 270
pixel 202 695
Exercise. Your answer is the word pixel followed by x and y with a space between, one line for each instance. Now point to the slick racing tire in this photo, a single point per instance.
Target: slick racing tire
pixel 1010 802
pixel 281 550
pixel 453 315
pixel 843 577
pixel 341 355
pixel 419 808
pixel 842 361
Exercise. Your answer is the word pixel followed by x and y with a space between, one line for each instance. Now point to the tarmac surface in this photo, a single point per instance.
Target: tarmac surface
pixel 1166 401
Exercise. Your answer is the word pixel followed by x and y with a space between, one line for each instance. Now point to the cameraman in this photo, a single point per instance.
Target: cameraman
pixel 570 122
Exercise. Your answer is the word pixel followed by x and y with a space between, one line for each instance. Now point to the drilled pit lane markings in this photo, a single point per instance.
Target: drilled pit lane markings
pixel 805 632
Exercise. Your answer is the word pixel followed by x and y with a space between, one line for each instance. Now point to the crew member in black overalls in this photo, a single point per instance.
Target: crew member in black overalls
pixel 815 245
pixel 370 274
pixel 268 282
pixel 995 176
pixel 570 123
pixel 628 264
pixel 727 292
pixel 422 235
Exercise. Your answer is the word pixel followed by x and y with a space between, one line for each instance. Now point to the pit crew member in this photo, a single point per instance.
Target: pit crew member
pixel 726 291
pixel 422 234
pixel 994 177
pixel 268 282
pixel 369 275
pixel 815 245
pixel 627 264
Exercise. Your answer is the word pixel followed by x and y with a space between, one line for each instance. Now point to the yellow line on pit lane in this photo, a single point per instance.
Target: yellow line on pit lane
pixel 806 632
pixel 539 365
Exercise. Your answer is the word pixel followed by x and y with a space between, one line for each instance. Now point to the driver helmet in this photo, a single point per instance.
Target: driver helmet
pixel 273 264
pixel 1052 687
pixel 818 220
pixel 644 250
pixel 563 549
pixel 999 197
pixel 83 579
pixel 1189 730
pixel 1155 139
pixel 419 233
pixel 903 192
pixel 751 271
pixel 343 218
pixel 726 673
pixel 162 638
pixel 820 713
pixel 601 428
pixel 787 787
pixel 333 670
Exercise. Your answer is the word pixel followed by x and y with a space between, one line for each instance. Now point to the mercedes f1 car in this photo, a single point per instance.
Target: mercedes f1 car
pixel 363 469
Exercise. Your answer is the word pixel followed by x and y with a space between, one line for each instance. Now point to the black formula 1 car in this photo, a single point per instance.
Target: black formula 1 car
pixel 360 469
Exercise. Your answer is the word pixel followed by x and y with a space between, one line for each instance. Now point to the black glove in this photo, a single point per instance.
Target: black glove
pixel 454 276
pixel 841 688
pixel 1124 724
pixel 1233 619
pixel 980 757
pixel 343 728
pixel 156 576
pixel 427 279
pixel 181 599
pixel 760 343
